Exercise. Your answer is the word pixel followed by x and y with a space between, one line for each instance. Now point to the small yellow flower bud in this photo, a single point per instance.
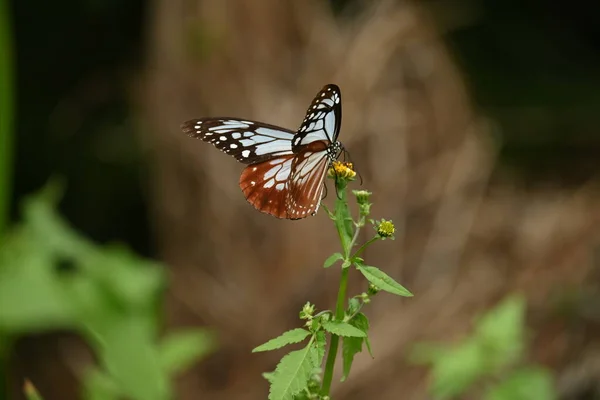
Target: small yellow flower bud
pixel 385 228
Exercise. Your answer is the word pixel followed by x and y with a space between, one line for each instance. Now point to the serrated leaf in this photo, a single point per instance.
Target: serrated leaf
pixel 361 321
pixel 293 373
pixel 293 336
pixel 320 344
pixel 383 281
pixel 269 376
pixel 343 329
pixel 350 347
pixel 332 259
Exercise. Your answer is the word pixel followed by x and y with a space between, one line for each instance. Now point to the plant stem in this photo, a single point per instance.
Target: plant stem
pixel 335 339
pixel 364 246
pixel 343 224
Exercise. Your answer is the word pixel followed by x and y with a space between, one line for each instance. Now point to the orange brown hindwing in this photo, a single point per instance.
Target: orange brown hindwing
pixel 265 185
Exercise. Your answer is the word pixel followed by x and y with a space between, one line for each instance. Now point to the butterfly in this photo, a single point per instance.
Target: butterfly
pixel 286 171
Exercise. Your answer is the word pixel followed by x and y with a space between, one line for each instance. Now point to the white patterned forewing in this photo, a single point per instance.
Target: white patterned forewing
pixel 323 119
pixel 248 141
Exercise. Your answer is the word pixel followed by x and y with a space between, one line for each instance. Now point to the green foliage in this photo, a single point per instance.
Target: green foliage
pixel 529 383
pixel 293 373
pixel 495 348
pixel 53 278
pixel 298 374
pixel 332 259
pixel 343 329
pixel 382 280
pixel 293 336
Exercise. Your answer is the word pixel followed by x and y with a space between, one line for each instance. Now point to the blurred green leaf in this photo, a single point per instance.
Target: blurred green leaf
pixel 132 358
pixel 100 386
pixel 180 350
pixel 457 370
pixel 501 332
pixel 525 384
pixel 30 295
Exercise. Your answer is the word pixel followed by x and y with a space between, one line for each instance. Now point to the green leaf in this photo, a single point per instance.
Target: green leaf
pixel 350 347
pixel 382 280
pixel 293 336
pixel 346 264
pixel 343 329
pixel 361 321
pixel 130 355
pixel 332 259
pixel 31 296
pixel 320 344
pixel 454 372
pixel 293 373
pixel 180 350
pixel 501 332
pixel 97 385
pixel 269 376
pixel 524 384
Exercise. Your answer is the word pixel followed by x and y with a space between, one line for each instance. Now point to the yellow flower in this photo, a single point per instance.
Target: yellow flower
pixel 339 169
pixel 385 228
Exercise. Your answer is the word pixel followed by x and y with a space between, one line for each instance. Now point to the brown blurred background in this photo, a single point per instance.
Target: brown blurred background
pixel 474 123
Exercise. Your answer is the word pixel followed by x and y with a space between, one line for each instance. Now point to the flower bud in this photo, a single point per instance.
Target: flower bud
pixel 385 229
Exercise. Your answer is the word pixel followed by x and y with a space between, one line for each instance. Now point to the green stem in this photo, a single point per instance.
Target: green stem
pixel 344 226
pixel 335 339
pixel 365 245
pixel 6 113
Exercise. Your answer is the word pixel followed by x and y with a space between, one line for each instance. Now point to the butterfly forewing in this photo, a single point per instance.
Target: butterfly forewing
pixel 265 185
pixel 248 141
pixel 323 119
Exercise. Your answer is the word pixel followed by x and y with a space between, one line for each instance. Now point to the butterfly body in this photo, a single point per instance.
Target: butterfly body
pixel 286 169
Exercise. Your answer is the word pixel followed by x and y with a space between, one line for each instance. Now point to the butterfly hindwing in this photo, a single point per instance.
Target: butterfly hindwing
pixel 248 141
pixel 323 119
pixel 265 185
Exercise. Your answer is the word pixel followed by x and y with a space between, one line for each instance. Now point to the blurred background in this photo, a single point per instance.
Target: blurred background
pixel 474 123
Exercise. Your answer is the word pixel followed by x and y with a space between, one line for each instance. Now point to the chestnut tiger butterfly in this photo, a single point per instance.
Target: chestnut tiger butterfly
pixel 286 171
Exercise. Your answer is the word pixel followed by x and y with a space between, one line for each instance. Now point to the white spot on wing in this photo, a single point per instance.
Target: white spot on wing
pixel 245 153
